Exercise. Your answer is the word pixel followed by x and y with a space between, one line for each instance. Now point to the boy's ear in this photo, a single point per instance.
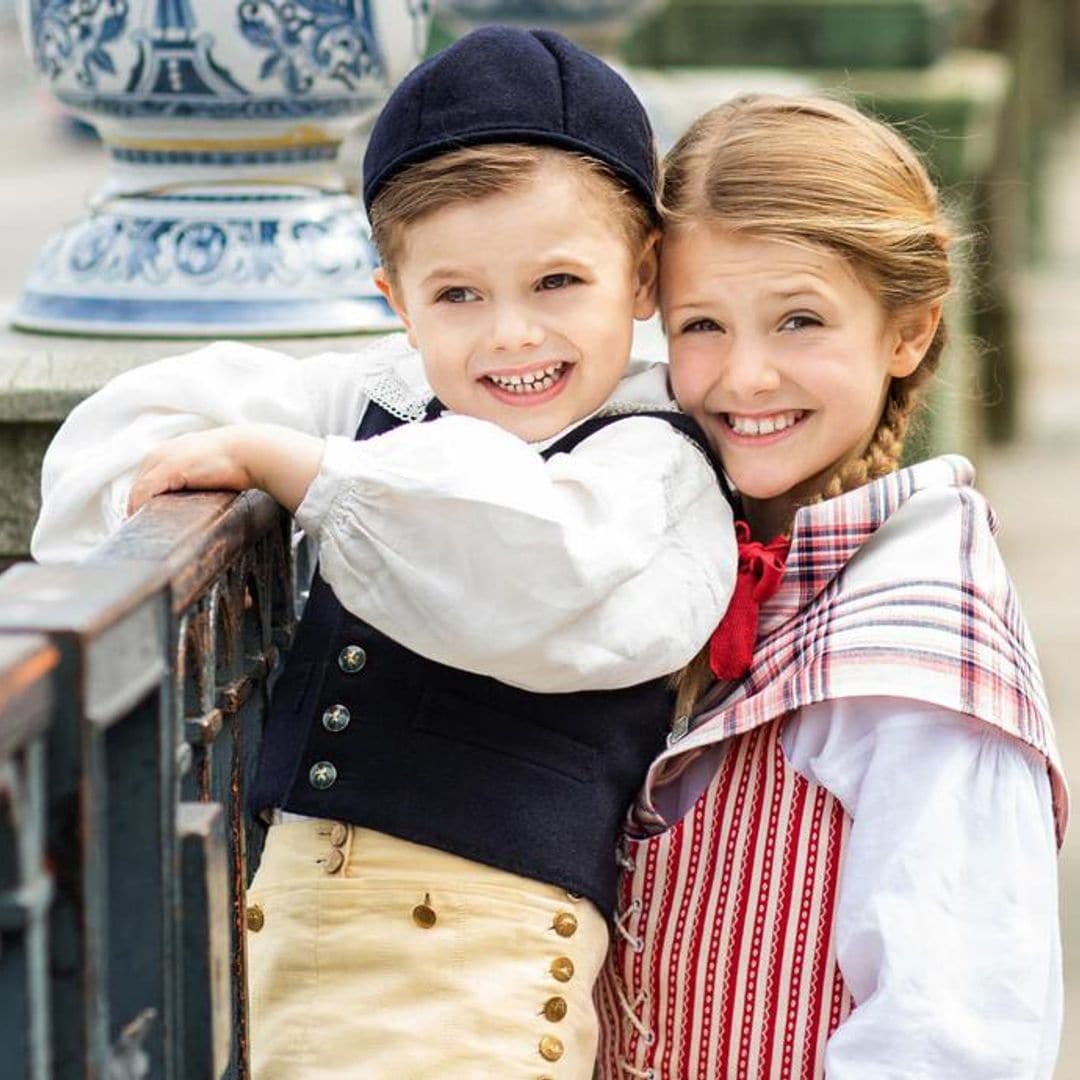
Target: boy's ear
pixel 646 277
pixel 383 284
pixel 915 330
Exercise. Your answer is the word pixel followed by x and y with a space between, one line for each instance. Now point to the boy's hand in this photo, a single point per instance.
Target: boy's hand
pixel 280 461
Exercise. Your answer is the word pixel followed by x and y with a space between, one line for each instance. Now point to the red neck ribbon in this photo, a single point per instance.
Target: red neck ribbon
pixel 761 568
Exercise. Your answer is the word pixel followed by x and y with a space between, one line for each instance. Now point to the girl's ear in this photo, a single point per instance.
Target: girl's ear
pixel 646 277
pixel 915 330
pixel 384 285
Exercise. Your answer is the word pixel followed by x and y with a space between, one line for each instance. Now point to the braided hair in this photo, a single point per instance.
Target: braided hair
pixel 818 173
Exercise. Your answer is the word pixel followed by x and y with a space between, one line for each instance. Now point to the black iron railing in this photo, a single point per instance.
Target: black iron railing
pixel 133 689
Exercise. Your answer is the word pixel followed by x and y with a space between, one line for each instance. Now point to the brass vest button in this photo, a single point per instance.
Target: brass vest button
pixel 562 968
pixel 555 1009
pixel 565 925
pixel 255 918
pixel 322 775
pixel 336 719
pixel 551 1049
pixel 334 861
pixel 339 833
pixel 351 659
pixel 424 914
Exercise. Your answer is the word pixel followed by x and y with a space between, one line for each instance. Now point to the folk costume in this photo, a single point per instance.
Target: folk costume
pixel 471 703
pixel 845 865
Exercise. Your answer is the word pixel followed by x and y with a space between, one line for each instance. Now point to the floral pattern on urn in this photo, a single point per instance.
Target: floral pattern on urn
pixel 224 209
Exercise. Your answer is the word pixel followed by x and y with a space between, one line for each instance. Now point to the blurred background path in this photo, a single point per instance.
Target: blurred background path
pixel 1034 483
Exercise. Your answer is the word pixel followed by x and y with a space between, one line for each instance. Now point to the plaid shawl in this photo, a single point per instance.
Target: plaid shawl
pixel 896 588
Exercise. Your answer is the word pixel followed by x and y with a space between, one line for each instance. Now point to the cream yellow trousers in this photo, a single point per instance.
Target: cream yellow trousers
pixel 372 957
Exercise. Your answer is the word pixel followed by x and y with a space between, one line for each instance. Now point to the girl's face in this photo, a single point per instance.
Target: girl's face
pixel 782 355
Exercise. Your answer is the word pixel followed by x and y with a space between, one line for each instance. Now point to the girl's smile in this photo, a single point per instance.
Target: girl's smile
pixel 763 429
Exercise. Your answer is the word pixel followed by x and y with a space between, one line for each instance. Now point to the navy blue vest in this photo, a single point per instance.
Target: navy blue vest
pixel 365 731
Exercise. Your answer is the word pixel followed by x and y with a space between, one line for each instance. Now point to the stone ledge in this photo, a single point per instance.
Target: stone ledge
pixel 44 376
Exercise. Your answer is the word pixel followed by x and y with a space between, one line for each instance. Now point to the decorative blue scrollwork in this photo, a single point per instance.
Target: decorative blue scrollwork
pixel 204 254
pixel 75 33
pixel 200 247
pixel 309 40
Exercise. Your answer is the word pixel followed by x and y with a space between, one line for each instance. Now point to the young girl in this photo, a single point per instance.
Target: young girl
pixel 844 863
pixel 520 539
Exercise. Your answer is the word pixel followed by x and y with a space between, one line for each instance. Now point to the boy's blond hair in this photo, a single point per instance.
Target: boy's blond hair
pixel 477 172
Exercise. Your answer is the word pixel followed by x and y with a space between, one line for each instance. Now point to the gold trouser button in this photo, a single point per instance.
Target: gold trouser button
pixel 562 967
pixel 424 914
pixel 551 1049
pixel 255 918
pixel 564 924
pixel 334 861
pixel 339 833
pixel 555 1009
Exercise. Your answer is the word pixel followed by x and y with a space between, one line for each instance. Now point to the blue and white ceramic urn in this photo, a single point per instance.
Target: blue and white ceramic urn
pixel 594 24
pixel 224 210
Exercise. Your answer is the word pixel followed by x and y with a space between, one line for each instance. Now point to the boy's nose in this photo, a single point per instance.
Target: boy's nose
pixel 513 328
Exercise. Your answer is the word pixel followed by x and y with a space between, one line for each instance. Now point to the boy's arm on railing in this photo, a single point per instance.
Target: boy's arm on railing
pixel 90 465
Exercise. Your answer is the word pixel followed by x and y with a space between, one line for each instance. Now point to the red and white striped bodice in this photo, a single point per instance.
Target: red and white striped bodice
pixel 724 964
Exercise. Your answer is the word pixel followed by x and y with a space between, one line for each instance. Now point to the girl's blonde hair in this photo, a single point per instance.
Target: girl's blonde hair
pixel 476 172
pixel 816 172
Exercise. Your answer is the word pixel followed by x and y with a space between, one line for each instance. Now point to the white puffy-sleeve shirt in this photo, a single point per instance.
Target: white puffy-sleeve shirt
pixel 947 927
pixel 947 930
pixel 600 568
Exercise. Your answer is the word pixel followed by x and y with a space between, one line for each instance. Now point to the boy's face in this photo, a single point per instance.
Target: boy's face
pixel 522 304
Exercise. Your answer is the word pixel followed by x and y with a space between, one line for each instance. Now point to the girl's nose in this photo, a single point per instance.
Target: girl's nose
pixel 514 328
pixel 746 372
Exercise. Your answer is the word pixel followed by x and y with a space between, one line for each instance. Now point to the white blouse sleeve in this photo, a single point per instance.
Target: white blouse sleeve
pixel 947 921
pixel 92 461
pixel 600 568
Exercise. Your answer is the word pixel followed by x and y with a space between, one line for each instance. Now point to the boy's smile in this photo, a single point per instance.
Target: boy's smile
pixel 522 303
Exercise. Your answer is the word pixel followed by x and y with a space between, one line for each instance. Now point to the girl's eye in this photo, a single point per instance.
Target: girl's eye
pixel 457 294
pixel 702 326
pixel 800 322
pixel 557 281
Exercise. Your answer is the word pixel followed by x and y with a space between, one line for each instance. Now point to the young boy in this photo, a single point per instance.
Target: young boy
pixel 517 545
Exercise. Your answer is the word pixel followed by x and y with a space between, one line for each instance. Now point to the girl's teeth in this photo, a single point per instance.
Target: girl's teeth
pixel 766 425
pixel 532 382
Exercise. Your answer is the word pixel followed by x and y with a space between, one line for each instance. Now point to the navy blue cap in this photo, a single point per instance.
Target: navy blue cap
pixel 501 84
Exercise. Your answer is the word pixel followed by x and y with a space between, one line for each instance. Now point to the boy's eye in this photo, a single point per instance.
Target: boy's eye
pixel 800 322
pixel 457 294
pixel 558 281
pixel 701 326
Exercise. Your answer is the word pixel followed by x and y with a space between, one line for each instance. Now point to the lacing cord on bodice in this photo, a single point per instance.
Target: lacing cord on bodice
pixel 633 1009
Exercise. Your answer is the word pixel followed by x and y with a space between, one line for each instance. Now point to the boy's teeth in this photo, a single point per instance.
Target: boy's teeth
pixel 766 425
pixel 532 382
